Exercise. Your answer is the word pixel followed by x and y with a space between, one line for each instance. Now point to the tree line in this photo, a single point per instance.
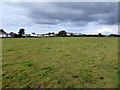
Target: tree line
pixel 63 33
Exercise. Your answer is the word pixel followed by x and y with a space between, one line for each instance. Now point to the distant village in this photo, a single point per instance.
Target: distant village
pixel 61 33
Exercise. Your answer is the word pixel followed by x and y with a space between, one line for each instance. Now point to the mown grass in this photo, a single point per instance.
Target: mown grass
pixel 67 62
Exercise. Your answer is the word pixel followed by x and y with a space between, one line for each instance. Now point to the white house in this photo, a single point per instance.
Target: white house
pixel 68 34
pixel 52 35
pixel 33 35
pixel 46 35
pixel 39 35
pixel 2 33
pixel 77 34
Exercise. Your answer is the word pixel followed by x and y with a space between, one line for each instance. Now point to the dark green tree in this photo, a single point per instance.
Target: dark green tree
pixel 71 34
pixel 62 33
pixel 52 33
pixel 21 32
pixel 49 33
pixel 99 35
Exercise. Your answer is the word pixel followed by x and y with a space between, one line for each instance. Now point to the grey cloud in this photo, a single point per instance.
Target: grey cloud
pixel 79 13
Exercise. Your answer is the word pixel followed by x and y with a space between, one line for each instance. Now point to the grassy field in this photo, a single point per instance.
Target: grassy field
pixel 67 62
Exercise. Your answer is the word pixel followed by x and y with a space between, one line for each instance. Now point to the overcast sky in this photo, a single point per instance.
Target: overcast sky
pixel 44 17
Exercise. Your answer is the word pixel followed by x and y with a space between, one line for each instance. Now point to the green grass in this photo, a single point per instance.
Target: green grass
pixel 67 62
